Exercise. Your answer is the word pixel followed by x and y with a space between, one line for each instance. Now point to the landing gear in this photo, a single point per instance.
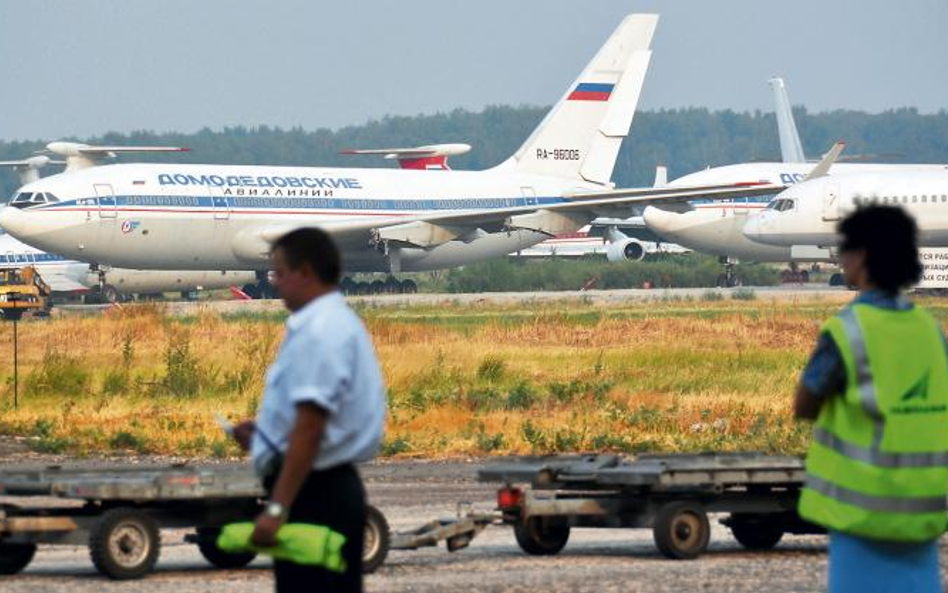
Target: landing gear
pixel 794 275
pixel 837 279
pixel 262 289
pixel 729 278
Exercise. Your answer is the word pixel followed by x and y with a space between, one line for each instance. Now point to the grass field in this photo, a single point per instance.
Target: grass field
pixel 532 378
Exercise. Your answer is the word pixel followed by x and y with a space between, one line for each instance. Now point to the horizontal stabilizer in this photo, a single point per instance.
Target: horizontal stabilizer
pixel 430 157
pixel 80 156
pixel 29 168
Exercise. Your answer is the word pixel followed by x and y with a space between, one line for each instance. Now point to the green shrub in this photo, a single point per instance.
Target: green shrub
pixel 182 372
pixel 492 368
pixel 395 447
pixel 126 440
pixel 58 374
pixel 744 294
pixel 521 397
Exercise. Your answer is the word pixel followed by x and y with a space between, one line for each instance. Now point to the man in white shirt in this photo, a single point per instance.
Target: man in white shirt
pixel 322 412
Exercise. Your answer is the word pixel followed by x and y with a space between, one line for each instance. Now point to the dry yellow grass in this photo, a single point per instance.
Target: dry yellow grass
pixel 463 380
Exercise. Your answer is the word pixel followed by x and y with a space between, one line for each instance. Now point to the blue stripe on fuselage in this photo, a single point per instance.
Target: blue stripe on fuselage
pixel 305 202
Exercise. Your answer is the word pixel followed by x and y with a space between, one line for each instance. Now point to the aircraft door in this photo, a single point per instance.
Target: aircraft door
pixel 106 199
pixel 530 195
pixel 221 207
pixel 831 202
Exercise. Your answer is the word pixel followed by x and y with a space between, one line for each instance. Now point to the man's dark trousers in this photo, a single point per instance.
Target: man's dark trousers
pixel 335 498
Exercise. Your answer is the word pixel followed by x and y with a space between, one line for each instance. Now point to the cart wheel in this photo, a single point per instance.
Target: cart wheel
pixel 15 557
pixel 207 544
pixel 681 530
pixel 376 541
pixel 124 543
pixel 755 533
pixel 542 536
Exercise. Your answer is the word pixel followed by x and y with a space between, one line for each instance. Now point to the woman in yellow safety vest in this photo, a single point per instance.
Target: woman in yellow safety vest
pixel 877 388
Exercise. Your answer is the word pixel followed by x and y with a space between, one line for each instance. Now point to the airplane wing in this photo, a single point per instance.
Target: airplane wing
pixel 431 230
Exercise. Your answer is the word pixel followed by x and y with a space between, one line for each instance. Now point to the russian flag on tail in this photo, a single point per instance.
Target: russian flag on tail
pixel 591 91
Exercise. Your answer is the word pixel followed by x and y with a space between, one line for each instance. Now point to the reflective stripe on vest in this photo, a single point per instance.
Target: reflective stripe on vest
pixel 873 456
pixel 867 391
pixel 880 504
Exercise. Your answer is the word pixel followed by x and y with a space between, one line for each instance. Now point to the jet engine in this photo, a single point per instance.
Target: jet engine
pixel 625 250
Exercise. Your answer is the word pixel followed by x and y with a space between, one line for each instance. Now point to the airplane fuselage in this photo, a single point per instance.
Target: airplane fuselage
pixel 69 276
pixel 207 216
pixel 717 227
pixel 807 214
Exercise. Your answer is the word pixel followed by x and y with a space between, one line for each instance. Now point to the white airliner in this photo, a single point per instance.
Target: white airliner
pixel 162 216
pixel 806 214
pixel 717 226
pixel 65 276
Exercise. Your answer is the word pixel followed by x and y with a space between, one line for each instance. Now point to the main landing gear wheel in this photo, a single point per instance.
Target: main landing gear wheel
pixel 376 541
pixel 542 536
pixel 207 544
pixel 681 530
pixel 124 543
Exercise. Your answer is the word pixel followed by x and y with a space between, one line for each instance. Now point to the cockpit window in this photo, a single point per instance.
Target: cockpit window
pixel 24 199
pixel 780 205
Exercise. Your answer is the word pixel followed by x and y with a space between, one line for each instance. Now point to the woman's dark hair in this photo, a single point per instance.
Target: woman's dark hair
pixel 314 247
pixel 889 237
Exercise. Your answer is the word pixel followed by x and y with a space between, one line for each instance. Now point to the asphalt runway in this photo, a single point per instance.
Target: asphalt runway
pixel 413 492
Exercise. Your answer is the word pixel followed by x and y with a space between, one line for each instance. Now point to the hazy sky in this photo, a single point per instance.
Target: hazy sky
pixel 83 68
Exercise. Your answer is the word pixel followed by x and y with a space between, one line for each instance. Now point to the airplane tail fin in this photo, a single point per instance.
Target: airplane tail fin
pixel 580 137
pixel 791 151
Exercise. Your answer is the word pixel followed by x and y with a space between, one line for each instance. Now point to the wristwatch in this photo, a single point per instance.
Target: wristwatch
pixel 275 510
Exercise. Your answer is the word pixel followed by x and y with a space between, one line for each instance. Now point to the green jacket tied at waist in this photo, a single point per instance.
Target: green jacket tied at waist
pixel 878 463
pixel 301 543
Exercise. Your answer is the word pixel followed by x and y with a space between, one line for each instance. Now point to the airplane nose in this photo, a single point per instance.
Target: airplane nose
pixel 13 221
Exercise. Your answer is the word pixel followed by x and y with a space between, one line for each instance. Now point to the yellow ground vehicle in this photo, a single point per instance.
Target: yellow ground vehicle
pixel 23 290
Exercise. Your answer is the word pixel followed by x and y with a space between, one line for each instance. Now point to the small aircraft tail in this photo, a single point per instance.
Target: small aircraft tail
pixel 580 137
pixel 791 151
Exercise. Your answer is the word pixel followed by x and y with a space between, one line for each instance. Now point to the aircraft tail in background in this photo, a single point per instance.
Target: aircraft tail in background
pixel 791 150
pixel 581 135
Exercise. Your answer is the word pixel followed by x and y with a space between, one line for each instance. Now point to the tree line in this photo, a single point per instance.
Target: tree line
pixel 685 140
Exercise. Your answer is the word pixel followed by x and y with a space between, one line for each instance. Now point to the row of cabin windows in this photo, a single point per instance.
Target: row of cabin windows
pixel 916 199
